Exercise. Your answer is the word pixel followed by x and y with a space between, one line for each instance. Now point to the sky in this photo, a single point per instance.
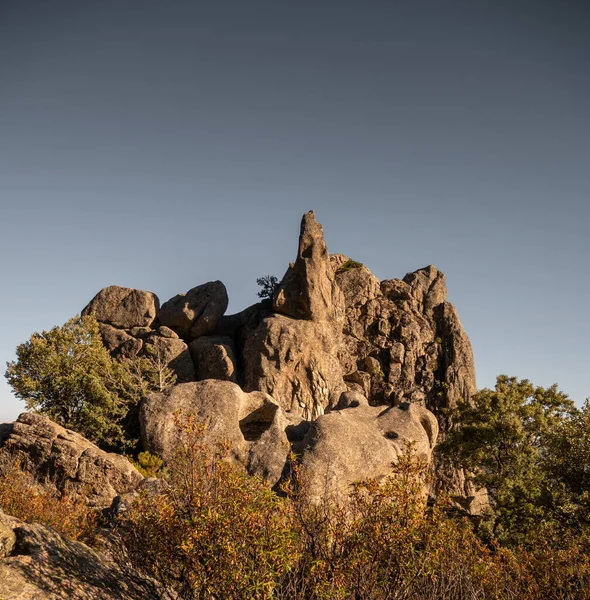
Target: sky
pixel 160 144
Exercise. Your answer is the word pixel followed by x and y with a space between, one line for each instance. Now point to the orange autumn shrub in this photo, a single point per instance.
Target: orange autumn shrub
pixel 22 497
pixel 213 532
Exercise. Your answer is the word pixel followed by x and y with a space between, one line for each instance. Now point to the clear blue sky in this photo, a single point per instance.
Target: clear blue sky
pixel 161 144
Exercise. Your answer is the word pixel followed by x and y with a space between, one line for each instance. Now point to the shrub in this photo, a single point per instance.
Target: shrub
pixel 214 532
pixel 348 266
pixel 148 464
pixel 67 374
pixel 23 498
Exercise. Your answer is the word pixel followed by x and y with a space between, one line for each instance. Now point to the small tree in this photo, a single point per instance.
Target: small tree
pixel 67 374
pixel 269 284
pixel 502 437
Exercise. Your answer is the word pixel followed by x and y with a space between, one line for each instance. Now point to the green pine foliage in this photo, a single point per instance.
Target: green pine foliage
pixel 518 442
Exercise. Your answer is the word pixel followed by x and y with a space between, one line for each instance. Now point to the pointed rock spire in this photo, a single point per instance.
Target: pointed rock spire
pixel 308 289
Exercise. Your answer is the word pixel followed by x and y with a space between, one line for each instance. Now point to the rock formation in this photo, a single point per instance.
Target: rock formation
pixel 252 423
pixel 36 563
pixel 341 367
pixel 68 460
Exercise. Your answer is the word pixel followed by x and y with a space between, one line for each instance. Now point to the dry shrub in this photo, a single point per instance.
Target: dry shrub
pixel 22 497
pixel 215 533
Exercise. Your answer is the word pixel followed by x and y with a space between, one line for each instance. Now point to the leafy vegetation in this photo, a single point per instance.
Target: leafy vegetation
pixel 215 532
pixel 67 374
pixel 268 285
pixel 529 447
pixel 348 266
pixel 25 499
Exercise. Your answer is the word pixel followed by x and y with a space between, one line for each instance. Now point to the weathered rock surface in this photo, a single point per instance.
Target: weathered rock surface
pixel 214 358
pixel 197 312
pixel 308 289
pixel 118 342
pixel 172 353
pixel 404 340
pixel 361 442
pixel 253 424
pixel 295 361
pixel 69 460
pixel 43 565
pixel 123 307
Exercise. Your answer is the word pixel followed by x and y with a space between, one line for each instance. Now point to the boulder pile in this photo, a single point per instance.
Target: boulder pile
pixel 339 367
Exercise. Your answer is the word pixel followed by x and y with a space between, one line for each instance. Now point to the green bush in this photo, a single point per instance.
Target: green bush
pixel 67 374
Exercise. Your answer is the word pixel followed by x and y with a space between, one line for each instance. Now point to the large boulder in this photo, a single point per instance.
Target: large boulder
pixel 43 565
pixel 214 358
pixel 70 461
pixel 197 312
pixel 308 289
pixel 252 424
pixel 361 442
pixel 296 362
pixel 123 307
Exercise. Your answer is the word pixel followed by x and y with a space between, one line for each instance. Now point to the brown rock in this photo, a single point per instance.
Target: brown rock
pixel 362 442
pixel 48 566
pixel 251 423
pixel 407 337
pixel 214 358
pixel 7 539
pixel 357 283
pixel 123 307
pixel 296 363
pixel 197 312
pixel 308 289
pixel 118 342
pixel 172 353
pixel 72 462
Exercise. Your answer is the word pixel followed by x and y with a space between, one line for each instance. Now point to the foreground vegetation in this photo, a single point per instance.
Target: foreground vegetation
pixel 217 533
pixel 212 532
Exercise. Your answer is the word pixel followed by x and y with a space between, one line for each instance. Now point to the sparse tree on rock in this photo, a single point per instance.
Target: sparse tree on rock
pixel 269 284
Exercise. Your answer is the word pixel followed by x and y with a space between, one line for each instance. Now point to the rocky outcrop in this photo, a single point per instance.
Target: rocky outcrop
pixel 336 348
pixel 308 289
pixel 404 340
pixel 68 460
pixel 251 423
pixel 40 564
pixel 170 352
pixel 360 442
pixel 123 307
pixel 293 355
pixel 197 312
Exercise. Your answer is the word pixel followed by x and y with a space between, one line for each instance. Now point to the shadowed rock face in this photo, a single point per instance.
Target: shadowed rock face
pixel 404 341
pixel 43 565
